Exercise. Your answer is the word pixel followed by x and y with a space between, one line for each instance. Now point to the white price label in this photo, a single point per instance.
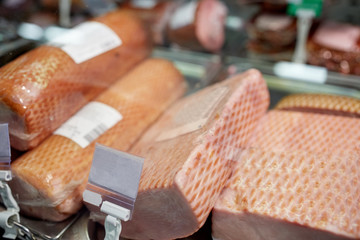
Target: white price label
pixel 89 123
pixel 86 41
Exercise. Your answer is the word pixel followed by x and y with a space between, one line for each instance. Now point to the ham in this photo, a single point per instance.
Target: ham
pixel 335 46
pixel 44 87
pixel 280 131
pixel 188 156
pixel 155 15
pixel 49 180
pixel 199 25
pixel 298 180
pixel 321 103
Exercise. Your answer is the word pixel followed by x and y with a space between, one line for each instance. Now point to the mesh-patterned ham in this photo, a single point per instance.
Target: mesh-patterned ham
pixel 188 156
pixel 292 195
pixel 199 25
pixel 49 180
pixel 299 180
pixel 280 131
pixel 44 87
pixel 321 103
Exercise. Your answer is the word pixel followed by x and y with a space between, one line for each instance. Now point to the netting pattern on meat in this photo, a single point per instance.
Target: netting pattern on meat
pixel 294 131
pixel 319 101
pixel 316 190
pixel 210 163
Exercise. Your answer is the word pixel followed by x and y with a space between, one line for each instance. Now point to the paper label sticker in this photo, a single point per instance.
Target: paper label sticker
pixel 183 16
pixel 89 123
pixel 194 116
pixel 86 41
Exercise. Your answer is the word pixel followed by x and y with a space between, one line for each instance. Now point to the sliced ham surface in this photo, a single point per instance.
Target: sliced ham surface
pixel 44 87
pixel 311 132
pixel 298 180
pixel 188 155
pixel 50 179
pixel 321 103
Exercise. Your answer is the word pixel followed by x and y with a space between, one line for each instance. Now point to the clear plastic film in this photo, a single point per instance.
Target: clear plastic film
pixel 298 175
pixel 50 179
pixel 44 87
pixel 114 177
pixel 188 156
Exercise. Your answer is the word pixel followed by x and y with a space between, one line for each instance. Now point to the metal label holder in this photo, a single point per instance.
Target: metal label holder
pixel 112 187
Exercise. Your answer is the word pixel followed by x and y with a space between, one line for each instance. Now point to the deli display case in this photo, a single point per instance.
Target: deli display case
pixel 245 113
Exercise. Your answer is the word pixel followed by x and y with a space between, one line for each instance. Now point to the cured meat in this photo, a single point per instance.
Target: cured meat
pixel 336 46
pixel 271 32
pixel 321 103
pixel 188 156
pixel 155 14
pixel 280 131
pixel 44 87
pixel 199 25
pixel 290 195
pixel 299 180
pixel 49 180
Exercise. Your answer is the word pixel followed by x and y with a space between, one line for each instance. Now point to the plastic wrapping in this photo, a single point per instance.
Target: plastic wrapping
pixel 42 88
pixel 298 180
pixel 336 46
pixel 321 103
pixel 50 179
pixel 188 156
pixel 198 25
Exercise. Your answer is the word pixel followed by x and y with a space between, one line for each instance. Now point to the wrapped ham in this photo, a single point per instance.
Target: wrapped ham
pixel 298 180
pixel 189 154
pixel 44 87
pixel 321 103
pixel 50 179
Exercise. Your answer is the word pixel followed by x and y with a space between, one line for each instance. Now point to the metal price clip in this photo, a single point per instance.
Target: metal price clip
pixel 112 187
pixel 11 213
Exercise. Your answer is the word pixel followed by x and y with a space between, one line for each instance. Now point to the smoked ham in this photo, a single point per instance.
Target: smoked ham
pixel 321 103
pixel 44 87
pixel 199 25
pixel 189 153
pixel 335 46
pixel 298 180
pixel 49 180
pixel 280 131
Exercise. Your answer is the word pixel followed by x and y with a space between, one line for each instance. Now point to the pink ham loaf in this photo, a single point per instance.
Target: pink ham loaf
pixel 188 156
pixel 299 180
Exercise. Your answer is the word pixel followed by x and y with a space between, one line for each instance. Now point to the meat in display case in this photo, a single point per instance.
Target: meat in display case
pixel 237 140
